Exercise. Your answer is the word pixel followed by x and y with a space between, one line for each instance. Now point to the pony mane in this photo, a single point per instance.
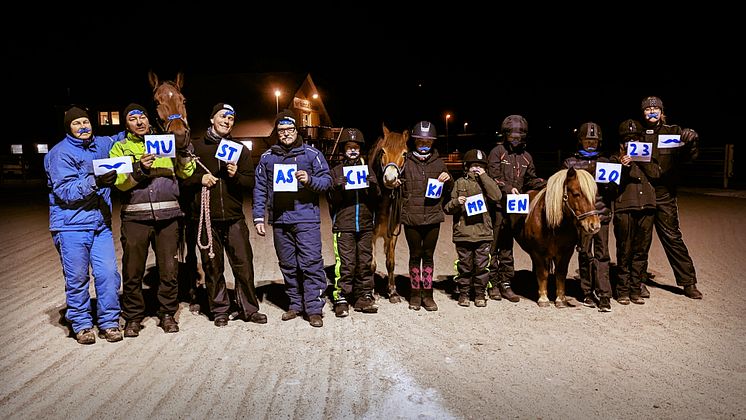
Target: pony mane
pixel 554 192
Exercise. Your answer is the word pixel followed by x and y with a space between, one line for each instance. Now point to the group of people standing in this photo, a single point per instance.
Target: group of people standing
pixel 152 209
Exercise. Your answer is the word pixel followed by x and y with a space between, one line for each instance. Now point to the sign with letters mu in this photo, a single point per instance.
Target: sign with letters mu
pixel 228 151
pixel 284 179
pixel 517 203
pixel 161 145
pixel 357 176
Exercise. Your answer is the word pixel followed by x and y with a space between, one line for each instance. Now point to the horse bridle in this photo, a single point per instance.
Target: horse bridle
pixel 579 217
pixel 393 226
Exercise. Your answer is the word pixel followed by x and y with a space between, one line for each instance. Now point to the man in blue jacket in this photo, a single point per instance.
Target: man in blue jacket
pixel 295 216
pixel 80 223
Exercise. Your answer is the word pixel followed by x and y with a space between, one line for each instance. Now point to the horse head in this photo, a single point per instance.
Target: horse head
pixel 171 107
pixel 388 155
pixel 572 193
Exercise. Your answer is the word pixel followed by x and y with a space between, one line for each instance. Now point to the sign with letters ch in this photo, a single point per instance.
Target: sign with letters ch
pixel 434 188
pixel 475 204
pixel 161 145
pixel 608 172
pixel 357 177
pixel 639 151
pixel 517 203
pixel 284 177
pixel 228 151
pixel 121 164
pixel 669 141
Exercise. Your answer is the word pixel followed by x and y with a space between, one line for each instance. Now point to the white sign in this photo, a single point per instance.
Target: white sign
pixel 475 205
pixel 434 188
pixel 284 177
pixel 228 151
pixel 357 176
pixel 608 172
pixel 639 151
pixel 163 145
pixel 669 141
pixel 517 203
pixel 122 164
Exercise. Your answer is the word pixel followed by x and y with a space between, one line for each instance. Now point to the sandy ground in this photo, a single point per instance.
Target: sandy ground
pixel 670 358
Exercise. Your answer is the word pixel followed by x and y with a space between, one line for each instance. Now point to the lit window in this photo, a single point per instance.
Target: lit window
pixel 16 149
pixel 108 118
pixel 42 148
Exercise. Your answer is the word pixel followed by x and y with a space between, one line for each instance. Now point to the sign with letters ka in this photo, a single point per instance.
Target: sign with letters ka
pixel 517 203
pixel 608 172
pixel 639 151
pixel 284 177
pixel 475 205
pixel 357 177
pixel 161 145
pixel 121 164
pixel 228 151
pixel 434 188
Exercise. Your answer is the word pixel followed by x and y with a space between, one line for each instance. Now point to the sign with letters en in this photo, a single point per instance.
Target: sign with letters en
pixel 475 204
pixel 608 172
pixel 122 164
pixel 517 203
pixel 357 176
pixel 228 151
pixel 639 151
pixel 669 141
pixel 162 145
pixel 434 188
pixel 284 177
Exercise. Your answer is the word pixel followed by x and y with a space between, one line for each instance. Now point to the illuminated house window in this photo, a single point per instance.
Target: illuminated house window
pixel 108 118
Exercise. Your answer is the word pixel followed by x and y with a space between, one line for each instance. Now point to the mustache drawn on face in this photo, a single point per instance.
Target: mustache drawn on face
pixel 84 130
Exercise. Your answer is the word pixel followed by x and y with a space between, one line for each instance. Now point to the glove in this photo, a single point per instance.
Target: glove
pixel 688 135
pixel 341 180
pixel 106 180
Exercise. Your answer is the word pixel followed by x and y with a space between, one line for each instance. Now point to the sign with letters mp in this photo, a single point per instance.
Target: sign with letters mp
pixel 517 203
pixel 639 151
pixel 475 205
pixel 228 151
pixel 121 164
pixel 434 188
pixel 357 176
pixel 161 145
pixel 284 177
pixel 608 172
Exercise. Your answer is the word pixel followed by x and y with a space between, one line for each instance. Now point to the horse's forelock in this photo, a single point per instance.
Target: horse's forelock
pixel 587 185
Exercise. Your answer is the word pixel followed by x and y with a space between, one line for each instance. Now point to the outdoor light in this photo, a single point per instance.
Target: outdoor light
pixel 448 117
pixel 465 124
pixel 315 96
pixel 277 100
pixel 42 148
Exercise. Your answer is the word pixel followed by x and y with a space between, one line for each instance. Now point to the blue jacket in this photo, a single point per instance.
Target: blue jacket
pixel 290 207
pixel 75 203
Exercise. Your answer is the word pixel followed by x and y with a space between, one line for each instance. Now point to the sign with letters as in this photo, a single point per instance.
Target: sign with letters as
pixel 161 145
pixel 639 151
pixel 357 176
pixel 475 204
pixel 608 172
pixel 121 164
pixel 434 188
pixel 517 203
pixel 228 151
pixel 669 141
pixel 284 177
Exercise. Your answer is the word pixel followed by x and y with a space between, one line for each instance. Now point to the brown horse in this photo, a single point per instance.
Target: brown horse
pixel 170 104
pixel 550 231
pixel 387 160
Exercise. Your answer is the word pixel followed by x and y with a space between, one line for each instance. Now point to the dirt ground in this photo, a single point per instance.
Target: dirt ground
pixel 672 358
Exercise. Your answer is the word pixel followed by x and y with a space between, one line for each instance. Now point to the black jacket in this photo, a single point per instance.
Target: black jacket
pixel 513 170
pixel 352 210
pixel 669 159
pixel 416 209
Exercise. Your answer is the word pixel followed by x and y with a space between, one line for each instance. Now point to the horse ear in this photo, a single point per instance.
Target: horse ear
pixel 405 134
pixel 179 80
pixel 153 79
pixel 385 130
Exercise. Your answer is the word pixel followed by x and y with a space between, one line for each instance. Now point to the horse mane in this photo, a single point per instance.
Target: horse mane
pixel 553 194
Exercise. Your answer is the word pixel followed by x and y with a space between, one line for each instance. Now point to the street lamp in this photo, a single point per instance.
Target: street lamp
pixel 465 124
pixel 277 100
pixel 448 117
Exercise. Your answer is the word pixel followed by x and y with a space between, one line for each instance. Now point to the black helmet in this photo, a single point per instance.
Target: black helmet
pixel 629 128
pixel 351 134
pixel 589 130
pixel 514 124
pixel 651 101
pixel 475 156
pixel 424 130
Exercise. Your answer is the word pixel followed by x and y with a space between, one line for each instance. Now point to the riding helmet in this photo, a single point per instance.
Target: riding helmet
pixel 475 156
pixel 630 128
pixel 424 130
pixel 514 124
pixel 351 134
pixel 589 130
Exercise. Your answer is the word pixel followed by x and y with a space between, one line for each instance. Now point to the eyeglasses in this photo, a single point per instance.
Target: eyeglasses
pixel 285 130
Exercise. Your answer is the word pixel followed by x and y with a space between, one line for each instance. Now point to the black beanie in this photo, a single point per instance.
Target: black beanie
pixel 73 114
pixel 220 107
pixel 286 116
pixel 651 101
pixel 133 106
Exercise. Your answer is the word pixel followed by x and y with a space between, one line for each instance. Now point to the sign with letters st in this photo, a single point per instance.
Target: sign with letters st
pixel 228 151
pixel 284 177
pixel 434 188
pixel 475 204
pixel 161 145
pixel 668 141
pixel 608 172
pixel 639 151
pixel 121 164
pixel 357 177
pixel 517 203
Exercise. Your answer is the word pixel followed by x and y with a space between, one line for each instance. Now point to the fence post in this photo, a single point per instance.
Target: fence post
pixel 728 164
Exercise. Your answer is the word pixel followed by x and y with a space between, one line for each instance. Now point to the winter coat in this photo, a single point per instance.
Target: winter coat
pixel 513 170
pixel 636 191
pixel 416 208
pixel 479 227
pixel 352 210
pixel 669 159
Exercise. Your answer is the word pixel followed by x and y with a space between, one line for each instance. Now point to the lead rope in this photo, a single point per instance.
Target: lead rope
pixel 204 214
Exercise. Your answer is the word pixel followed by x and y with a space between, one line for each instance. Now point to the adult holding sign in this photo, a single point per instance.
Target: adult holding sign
pixel 150 212
pixel 473 226
pixel 352 202
pixel 672 146
pixel 593 249
pixel 80 223
pixel 422 214
pixel 226 174
pixel 295 216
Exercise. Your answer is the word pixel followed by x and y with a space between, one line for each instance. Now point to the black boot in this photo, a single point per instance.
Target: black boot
pixel 427 300
pixel 507 292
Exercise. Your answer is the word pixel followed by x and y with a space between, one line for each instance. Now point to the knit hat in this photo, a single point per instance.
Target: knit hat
pixel 222 106
pixel 651 102
pixel 73 114
pixel 135 109
pixel 285 117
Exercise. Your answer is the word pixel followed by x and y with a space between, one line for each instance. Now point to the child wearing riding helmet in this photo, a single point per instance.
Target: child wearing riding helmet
pixel 473 226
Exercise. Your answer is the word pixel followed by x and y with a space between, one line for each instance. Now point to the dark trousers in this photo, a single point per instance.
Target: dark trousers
pixel 502 264
pixel 298 248
pixel 233 238
pixel 593 262
pixel 634 234
pixel 472 266
pixel 353 252
pixel 136 239
pixel 667 228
